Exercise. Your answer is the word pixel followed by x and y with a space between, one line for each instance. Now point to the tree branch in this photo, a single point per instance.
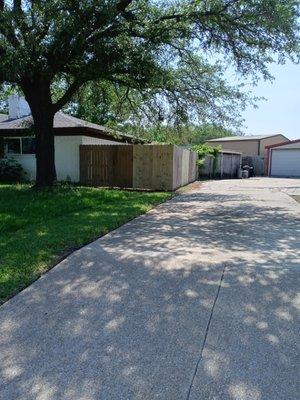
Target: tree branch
pixel 72 89
pixel 197 14
pixel 17 5
pixel 123 4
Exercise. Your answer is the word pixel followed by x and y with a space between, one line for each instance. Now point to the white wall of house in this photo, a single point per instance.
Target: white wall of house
pixel 66 157
pixel 28 163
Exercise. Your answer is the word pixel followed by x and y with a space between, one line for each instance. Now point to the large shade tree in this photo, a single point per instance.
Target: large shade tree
pixel 148 45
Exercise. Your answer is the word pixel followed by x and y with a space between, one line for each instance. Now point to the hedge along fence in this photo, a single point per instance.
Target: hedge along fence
pixel 154 167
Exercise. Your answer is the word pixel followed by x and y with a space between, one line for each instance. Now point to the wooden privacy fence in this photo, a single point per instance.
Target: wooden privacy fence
pixel 227 165
pixel 154 167
pixel 257 162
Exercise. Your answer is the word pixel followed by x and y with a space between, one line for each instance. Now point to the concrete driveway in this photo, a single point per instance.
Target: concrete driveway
pixel 199 299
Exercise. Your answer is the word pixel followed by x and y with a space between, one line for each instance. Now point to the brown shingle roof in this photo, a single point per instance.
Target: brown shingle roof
pixel 65 124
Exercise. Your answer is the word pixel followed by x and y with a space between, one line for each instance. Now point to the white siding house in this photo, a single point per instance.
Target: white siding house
pixel 70 133
pixel 66 156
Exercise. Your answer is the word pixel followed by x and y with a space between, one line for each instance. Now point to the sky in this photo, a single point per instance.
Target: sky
pixel 280 113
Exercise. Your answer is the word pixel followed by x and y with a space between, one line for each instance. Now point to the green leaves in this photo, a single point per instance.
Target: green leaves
pixel 163 50
pixel 206 150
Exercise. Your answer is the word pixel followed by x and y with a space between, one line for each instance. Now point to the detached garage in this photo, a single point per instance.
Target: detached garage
pixel 284 159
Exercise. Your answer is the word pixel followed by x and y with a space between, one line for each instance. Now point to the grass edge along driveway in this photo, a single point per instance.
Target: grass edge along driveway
pixel 39 226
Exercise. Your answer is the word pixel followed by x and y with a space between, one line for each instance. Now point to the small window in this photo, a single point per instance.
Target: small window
pixel 12 146
pixel 28 146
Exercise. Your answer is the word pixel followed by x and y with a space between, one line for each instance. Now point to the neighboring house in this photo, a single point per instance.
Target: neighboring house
pixel 248 145
pixel 284 159
pixel 18 141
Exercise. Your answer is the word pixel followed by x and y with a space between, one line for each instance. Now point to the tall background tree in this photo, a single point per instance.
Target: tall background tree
pixel 133 112
pixel 161 49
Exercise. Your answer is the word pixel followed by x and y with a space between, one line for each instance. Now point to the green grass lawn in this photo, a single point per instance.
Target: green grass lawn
pixel 38 226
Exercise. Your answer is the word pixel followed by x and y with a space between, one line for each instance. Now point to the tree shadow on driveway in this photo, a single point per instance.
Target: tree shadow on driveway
pixel 126 316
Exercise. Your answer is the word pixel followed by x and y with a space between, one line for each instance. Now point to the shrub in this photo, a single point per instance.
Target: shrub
pixel 206 150
pixel 11 170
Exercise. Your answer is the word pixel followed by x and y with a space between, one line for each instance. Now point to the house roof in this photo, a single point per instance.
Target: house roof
pixel 270 146
pixel 65 124
pixel 226 151
pixel 246 137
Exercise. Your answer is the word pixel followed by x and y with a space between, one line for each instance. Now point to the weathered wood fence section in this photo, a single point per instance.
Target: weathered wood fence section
pixel 154 167
pixel 109 165
pixel 227 165
pixel 257 162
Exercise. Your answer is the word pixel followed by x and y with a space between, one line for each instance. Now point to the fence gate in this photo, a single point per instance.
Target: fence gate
pixel 109 165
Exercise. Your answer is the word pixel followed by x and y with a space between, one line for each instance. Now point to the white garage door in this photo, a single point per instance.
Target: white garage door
pixel 285 162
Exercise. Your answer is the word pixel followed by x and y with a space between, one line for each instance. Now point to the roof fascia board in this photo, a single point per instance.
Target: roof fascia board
pixel 270 146
pixel 246 140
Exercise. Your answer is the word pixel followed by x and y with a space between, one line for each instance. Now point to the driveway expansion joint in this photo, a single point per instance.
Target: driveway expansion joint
pixel 206 332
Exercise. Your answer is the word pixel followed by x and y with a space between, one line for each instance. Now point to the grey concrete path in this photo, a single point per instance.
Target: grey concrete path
pixel 199 299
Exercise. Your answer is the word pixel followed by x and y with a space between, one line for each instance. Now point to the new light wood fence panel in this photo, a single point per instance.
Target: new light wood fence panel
pixel 177 167
pixel 152 167
pixel 184 167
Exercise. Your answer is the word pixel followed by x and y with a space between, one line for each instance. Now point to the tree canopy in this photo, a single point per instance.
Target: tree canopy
pixel 169 51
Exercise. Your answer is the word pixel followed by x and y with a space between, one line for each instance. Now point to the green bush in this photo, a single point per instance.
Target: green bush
pixel 11 170
pixel 206 150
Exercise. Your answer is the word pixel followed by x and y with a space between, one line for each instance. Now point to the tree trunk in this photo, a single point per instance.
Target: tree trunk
pixel 38 96
pixel 45 152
